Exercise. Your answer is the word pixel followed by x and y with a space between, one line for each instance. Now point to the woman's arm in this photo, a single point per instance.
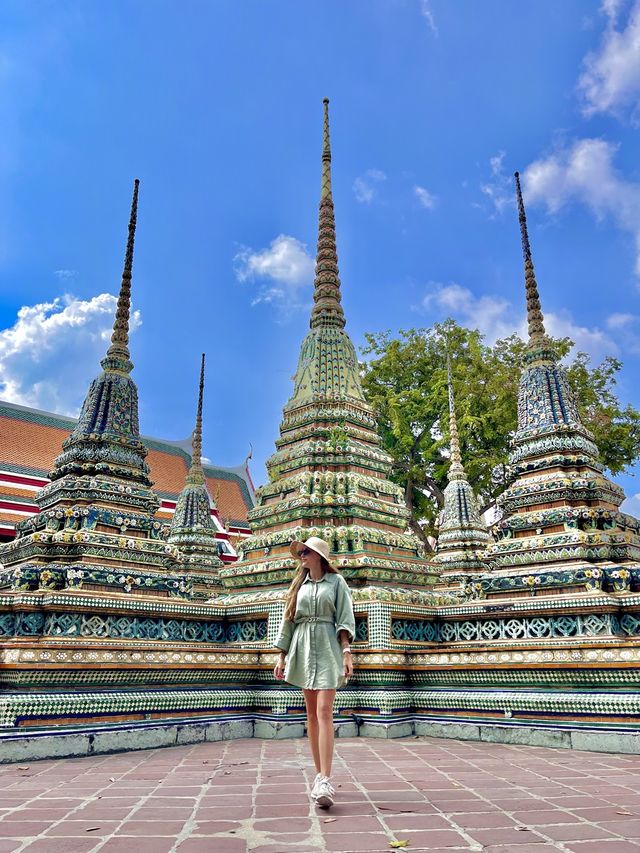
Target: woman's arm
pixel 282 643
pixel 347 658
pixel 278 669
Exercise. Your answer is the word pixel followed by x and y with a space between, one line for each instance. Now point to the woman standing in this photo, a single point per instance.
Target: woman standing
pixel 316 630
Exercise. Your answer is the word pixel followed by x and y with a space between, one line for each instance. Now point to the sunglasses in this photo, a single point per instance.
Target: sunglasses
pixel 304 552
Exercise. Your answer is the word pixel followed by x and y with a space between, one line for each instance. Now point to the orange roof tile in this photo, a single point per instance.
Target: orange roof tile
pixel 11 517
pixel 228 498
pixel 30 441
pixel 30 445
pixel 10 490
pixel 168 472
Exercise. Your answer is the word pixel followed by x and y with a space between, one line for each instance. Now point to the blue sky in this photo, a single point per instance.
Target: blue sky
pixel 216 107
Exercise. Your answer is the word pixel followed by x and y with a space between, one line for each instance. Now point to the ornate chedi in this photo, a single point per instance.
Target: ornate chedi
pixel 192 528
pixel 96 522
pixel 329 474
pixel 462 534
pixel 560 505
pixel 547 641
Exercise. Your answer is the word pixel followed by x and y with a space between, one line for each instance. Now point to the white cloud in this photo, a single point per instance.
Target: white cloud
pixel 286 264
pixel 53 350
pixel 610 82
pixel 496 318
pixel 585 173
pixel 499 189
pixel 612 8
pixel 427 13
pixel 620 321
pixel 492 315
pixel 365 187
pixel 65 275
pixel 632 505
pixel 626 329
pixel 425 198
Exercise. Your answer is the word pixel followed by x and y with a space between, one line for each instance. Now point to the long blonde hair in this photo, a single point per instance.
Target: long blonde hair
pixel 296 583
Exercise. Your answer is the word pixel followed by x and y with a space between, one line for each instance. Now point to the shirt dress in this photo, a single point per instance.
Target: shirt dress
pixel 314 655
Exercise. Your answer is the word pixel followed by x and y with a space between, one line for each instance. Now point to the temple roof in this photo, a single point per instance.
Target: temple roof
pixel 30 440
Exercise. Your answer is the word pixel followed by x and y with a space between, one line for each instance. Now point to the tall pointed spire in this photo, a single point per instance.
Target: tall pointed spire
pixel 193 529
pixel 329 475
pixel 558 494
pixel 534 309
pixel 196 474
pixel 325 189
pixel 463 536
pixel 327 310
pixel 106 439
pixel 118 353
pixel 456 470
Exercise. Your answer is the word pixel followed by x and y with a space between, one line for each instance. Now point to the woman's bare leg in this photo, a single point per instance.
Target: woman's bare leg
pixel 311 702
pixel 325 700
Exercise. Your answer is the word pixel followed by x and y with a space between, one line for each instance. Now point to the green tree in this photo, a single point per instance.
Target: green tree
pixel 405 380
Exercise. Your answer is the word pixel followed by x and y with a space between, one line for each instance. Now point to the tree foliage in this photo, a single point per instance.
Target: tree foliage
pixel 405 380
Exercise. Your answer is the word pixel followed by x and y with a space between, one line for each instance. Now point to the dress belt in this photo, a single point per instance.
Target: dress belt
pixel 300 619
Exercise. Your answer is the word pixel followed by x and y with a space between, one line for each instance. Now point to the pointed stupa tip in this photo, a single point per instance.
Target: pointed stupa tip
pixel 119 349
pixel 326 153
pixel 327 310
pixel 535 318
pixel 456 469
pixel 196 474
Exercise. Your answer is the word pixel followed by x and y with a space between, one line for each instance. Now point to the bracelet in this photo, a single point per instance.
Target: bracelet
pixel 346 649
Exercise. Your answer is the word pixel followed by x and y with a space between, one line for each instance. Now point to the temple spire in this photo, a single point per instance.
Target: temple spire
pixel 534 309
pixel 118 353
pixel 456 469
pixel 193 529
pixel 463 536
pixel 325 189
pixel 196 474
pixel 327 310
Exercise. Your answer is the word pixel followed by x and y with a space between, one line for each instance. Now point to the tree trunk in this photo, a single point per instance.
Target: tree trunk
pixel 435 491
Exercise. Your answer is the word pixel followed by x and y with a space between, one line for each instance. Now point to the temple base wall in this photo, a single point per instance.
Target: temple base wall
pixel 100 740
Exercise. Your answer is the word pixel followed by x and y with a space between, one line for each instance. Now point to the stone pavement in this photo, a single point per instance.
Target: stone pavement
pixel 252 795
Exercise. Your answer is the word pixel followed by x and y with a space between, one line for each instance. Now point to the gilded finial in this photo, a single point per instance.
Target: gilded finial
pixel 534 310
pixel 196 474
pixel 456 470
pixel 119 349
pixel 327 310
pixel 326 153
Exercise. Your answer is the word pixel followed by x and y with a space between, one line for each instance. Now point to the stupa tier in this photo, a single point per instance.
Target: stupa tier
pixel 329 476
pixel 560 506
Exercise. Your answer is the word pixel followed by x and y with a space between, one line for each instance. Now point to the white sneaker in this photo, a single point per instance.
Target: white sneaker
pixel 326 793
pixel 314 787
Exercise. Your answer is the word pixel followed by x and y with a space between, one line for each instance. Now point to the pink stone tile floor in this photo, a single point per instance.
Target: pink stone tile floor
pixel 253 795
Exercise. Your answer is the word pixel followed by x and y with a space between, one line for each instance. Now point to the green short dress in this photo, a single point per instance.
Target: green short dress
pixel 314 655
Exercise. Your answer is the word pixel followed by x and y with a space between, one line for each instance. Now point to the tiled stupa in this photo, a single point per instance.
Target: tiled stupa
pixel 96 525
pixel 462 534
pixel 560 505
pixel 329 476
pixel 192 528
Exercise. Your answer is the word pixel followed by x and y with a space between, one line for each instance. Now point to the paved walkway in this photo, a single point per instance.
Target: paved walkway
pixel 251 795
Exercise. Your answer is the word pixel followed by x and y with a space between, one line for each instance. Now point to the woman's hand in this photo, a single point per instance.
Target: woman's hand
pixel 278 669
pixel 348 664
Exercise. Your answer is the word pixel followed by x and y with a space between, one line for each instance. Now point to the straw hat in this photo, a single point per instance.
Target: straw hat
pixel 314 543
